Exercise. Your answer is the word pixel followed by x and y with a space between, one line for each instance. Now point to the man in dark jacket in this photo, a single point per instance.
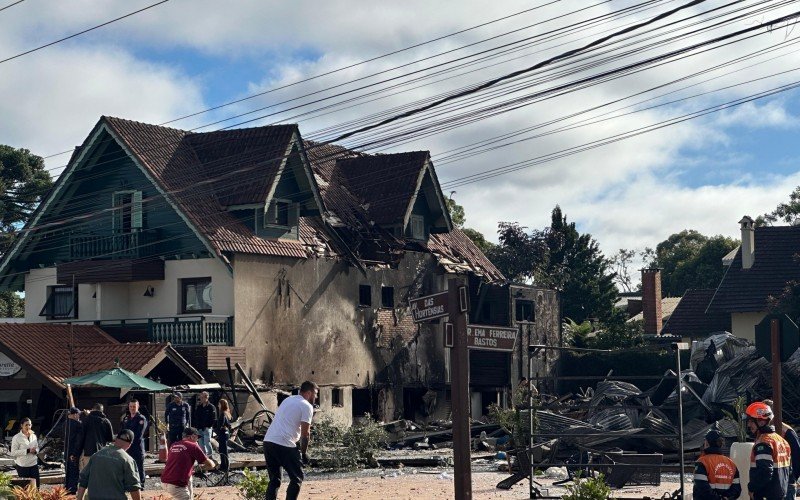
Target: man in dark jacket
pixel 715 475
pixel 205 415
pixel 790 435
pixel 770 460
pixel 178 417
pixel 97 433
pixel 136 423
pixel 73 441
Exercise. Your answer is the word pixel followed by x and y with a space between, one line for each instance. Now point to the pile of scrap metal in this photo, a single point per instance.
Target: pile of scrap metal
pixel 617 414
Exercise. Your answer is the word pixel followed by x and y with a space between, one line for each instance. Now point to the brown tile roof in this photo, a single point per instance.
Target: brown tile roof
pixel 191 169
pixel 457 253
pixel 668 305
pixel 44 348
pixel 690 319
pixel 775 263
pixel 392 324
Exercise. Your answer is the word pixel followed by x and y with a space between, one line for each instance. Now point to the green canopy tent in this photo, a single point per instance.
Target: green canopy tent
pixel 117 377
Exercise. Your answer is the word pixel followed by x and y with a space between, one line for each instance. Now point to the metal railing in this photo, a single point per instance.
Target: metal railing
pixel 114 246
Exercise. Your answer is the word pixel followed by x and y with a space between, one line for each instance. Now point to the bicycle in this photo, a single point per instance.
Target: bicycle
pixel 216 477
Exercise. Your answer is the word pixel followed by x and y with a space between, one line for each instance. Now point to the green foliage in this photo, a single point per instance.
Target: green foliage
pixel 6 490
pixel 479 240
pixel 11 305
pixel 620 336
pixel 690 260
pixel 577 334
pixel 253 485
pixel 513 421
pixel 326 432
pixel 23 183
pixel 355 448
pixel 590 488
pixel 456 213
pixel 784 212
pixel 739 406
pixel 622 262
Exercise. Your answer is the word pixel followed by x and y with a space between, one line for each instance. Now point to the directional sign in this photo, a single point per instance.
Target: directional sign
pixel 429 307
pixel 491 338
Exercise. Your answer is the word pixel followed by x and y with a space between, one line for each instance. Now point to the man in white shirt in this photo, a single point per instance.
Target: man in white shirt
pixel 292 423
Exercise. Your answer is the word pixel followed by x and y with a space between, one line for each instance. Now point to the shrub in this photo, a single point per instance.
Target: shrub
pixel 591 488
pixel 514 422
pixel 326 433
pixel 254 484
pixel 355 448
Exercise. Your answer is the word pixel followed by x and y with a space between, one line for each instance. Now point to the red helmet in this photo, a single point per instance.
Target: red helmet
pixel 759 410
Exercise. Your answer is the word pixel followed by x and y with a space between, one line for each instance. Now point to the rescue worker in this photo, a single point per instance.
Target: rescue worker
pixel 178 417
pixel 136 423
pixel 790 436
pixel 73 443
pixel 770 460
pixel 715 475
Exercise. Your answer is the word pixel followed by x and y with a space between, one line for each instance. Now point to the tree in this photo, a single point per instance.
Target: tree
pixel 689 259
pixel 458 216
pixel 785 212
pixel 23 183
pixel 622 261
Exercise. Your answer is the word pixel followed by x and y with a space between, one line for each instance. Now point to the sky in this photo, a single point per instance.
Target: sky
pixel 183 57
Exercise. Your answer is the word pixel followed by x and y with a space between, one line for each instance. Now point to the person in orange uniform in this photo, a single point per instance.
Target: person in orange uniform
pixel 770 460
pixel 715 475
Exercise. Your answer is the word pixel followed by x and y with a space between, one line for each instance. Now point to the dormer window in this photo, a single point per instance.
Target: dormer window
pixel 417 223
pixel 277 213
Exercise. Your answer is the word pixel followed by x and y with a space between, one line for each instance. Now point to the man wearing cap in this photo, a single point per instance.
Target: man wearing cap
pixel 73 442
pixel 790 436
pixel 290 426
pixel 178 417
pixel 177 475
pixel 136 423
pixel 715 475
pixel 111 472
pixel 770 460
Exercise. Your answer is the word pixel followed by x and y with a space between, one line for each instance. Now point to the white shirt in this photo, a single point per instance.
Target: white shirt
pixel 285 427
pixel 20 445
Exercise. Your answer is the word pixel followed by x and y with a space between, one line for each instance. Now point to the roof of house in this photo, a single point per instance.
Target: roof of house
pixel 457 254
pixel 690 319
pixel 668 305
pixel 43 349
pixel 774 264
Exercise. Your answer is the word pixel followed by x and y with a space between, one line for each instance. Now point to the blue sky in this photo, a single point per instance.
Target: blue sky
pixel 182 57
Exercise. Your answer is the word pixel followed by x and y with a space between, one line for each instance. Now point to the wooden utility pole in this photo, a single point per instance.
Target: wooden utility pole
pixel 777 389
pixel 459 364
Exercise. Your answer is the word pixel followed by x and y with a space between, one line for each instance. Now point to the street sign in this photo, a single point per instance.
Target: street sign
pixel 491 338
pixel 429 307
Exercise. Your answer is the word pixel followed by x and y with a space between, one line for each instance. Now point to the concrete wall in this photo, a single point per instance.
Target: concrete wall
pixel 743 324
pixel 36 283
pixel 300 320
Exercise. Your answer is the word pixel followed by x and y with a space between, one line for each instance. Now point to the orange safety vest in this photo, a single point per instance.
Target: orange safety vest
pixel 780 450
pixel 721 471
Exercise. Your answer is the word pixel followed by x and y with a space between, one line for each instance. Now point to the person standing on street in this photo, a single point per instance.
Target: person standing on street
pixel 790 436
pixel 770 460
pixel 177 475
pixel 24 449
pixel 178 417
pixel 205 416
pixel 291 424
pixel 223 428
pixel 97 433
pixel 111 472
pixel 73 440
pixel 715 475
pixel 136 423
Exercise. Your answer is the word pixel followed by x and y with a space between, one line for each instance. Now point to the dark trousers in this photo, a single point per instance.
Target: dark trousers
pixel 175 434
pixel 29 472
pixel 71 476
pixel 138 457
pixel 278 457
pixel 222 440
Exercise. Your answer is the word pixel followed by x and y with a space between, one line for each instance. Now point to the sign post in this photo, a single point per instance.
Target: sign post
pixel 459 362
pixel 491 338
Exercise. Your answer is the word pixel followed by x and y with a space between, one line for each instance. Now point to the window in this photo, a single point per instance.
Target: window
pixel 337 396
pixel 417 227
pixel 127 213
pixel 62 302
pixel 524 310
pixel 364 295
pixel 277 213
pixel 387 296
pixel 196 295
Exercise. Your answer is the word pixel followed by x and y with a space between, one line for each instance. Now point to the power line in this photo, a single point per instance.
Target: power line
pixel 11 5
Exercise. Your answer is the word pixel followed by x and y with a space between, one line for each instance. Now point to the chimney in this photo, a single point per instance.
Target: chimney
pixel 748 242
pixel 651 301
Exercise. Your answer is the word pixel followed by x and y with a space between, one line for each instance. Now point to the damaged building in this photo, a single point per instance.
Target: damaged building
pixel 296 259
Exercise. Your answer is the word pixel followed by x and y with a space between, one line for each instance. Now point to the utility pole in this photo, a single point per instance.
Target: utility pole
pixel 458 306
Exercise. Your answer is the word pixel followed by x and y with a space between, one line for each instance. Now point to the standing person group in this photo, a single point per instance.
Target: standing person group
pixel 178 417
pixel 290 426
pixel 24 449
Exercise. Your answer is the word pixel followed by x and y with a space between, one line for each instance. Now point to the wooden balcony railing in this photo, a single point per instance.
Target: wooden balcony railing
pixel 112 246
pixel 178 330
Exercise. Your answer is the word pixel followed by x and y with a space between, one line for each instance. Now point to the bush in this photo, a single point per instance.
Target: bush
pixel 591 488
pixel 254 484
pixel 356 447
pixel 326 433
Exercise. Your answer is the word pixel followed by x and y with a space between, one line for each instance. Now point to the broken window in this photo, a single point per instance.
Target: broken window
pixel 364 296
pixel 277 213
pixel 387 296
pixel 196 295
pixel 62 302
pixel 337 396
pixel 417 223
pixel 524 311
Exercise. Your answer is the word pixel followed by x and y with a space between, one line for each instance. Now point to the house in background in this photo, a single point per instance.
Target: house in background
pixel 760 269
pixel 296 259
pixel 691 318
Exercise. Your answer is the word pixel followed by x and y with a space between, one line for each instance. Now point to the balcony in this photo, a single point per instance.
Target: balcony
pixel 114 246
pixel 202 330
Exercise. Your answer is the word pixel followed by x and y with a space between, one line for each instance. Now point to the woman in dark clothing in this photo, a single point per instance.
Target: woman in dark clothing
pixel 222 427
